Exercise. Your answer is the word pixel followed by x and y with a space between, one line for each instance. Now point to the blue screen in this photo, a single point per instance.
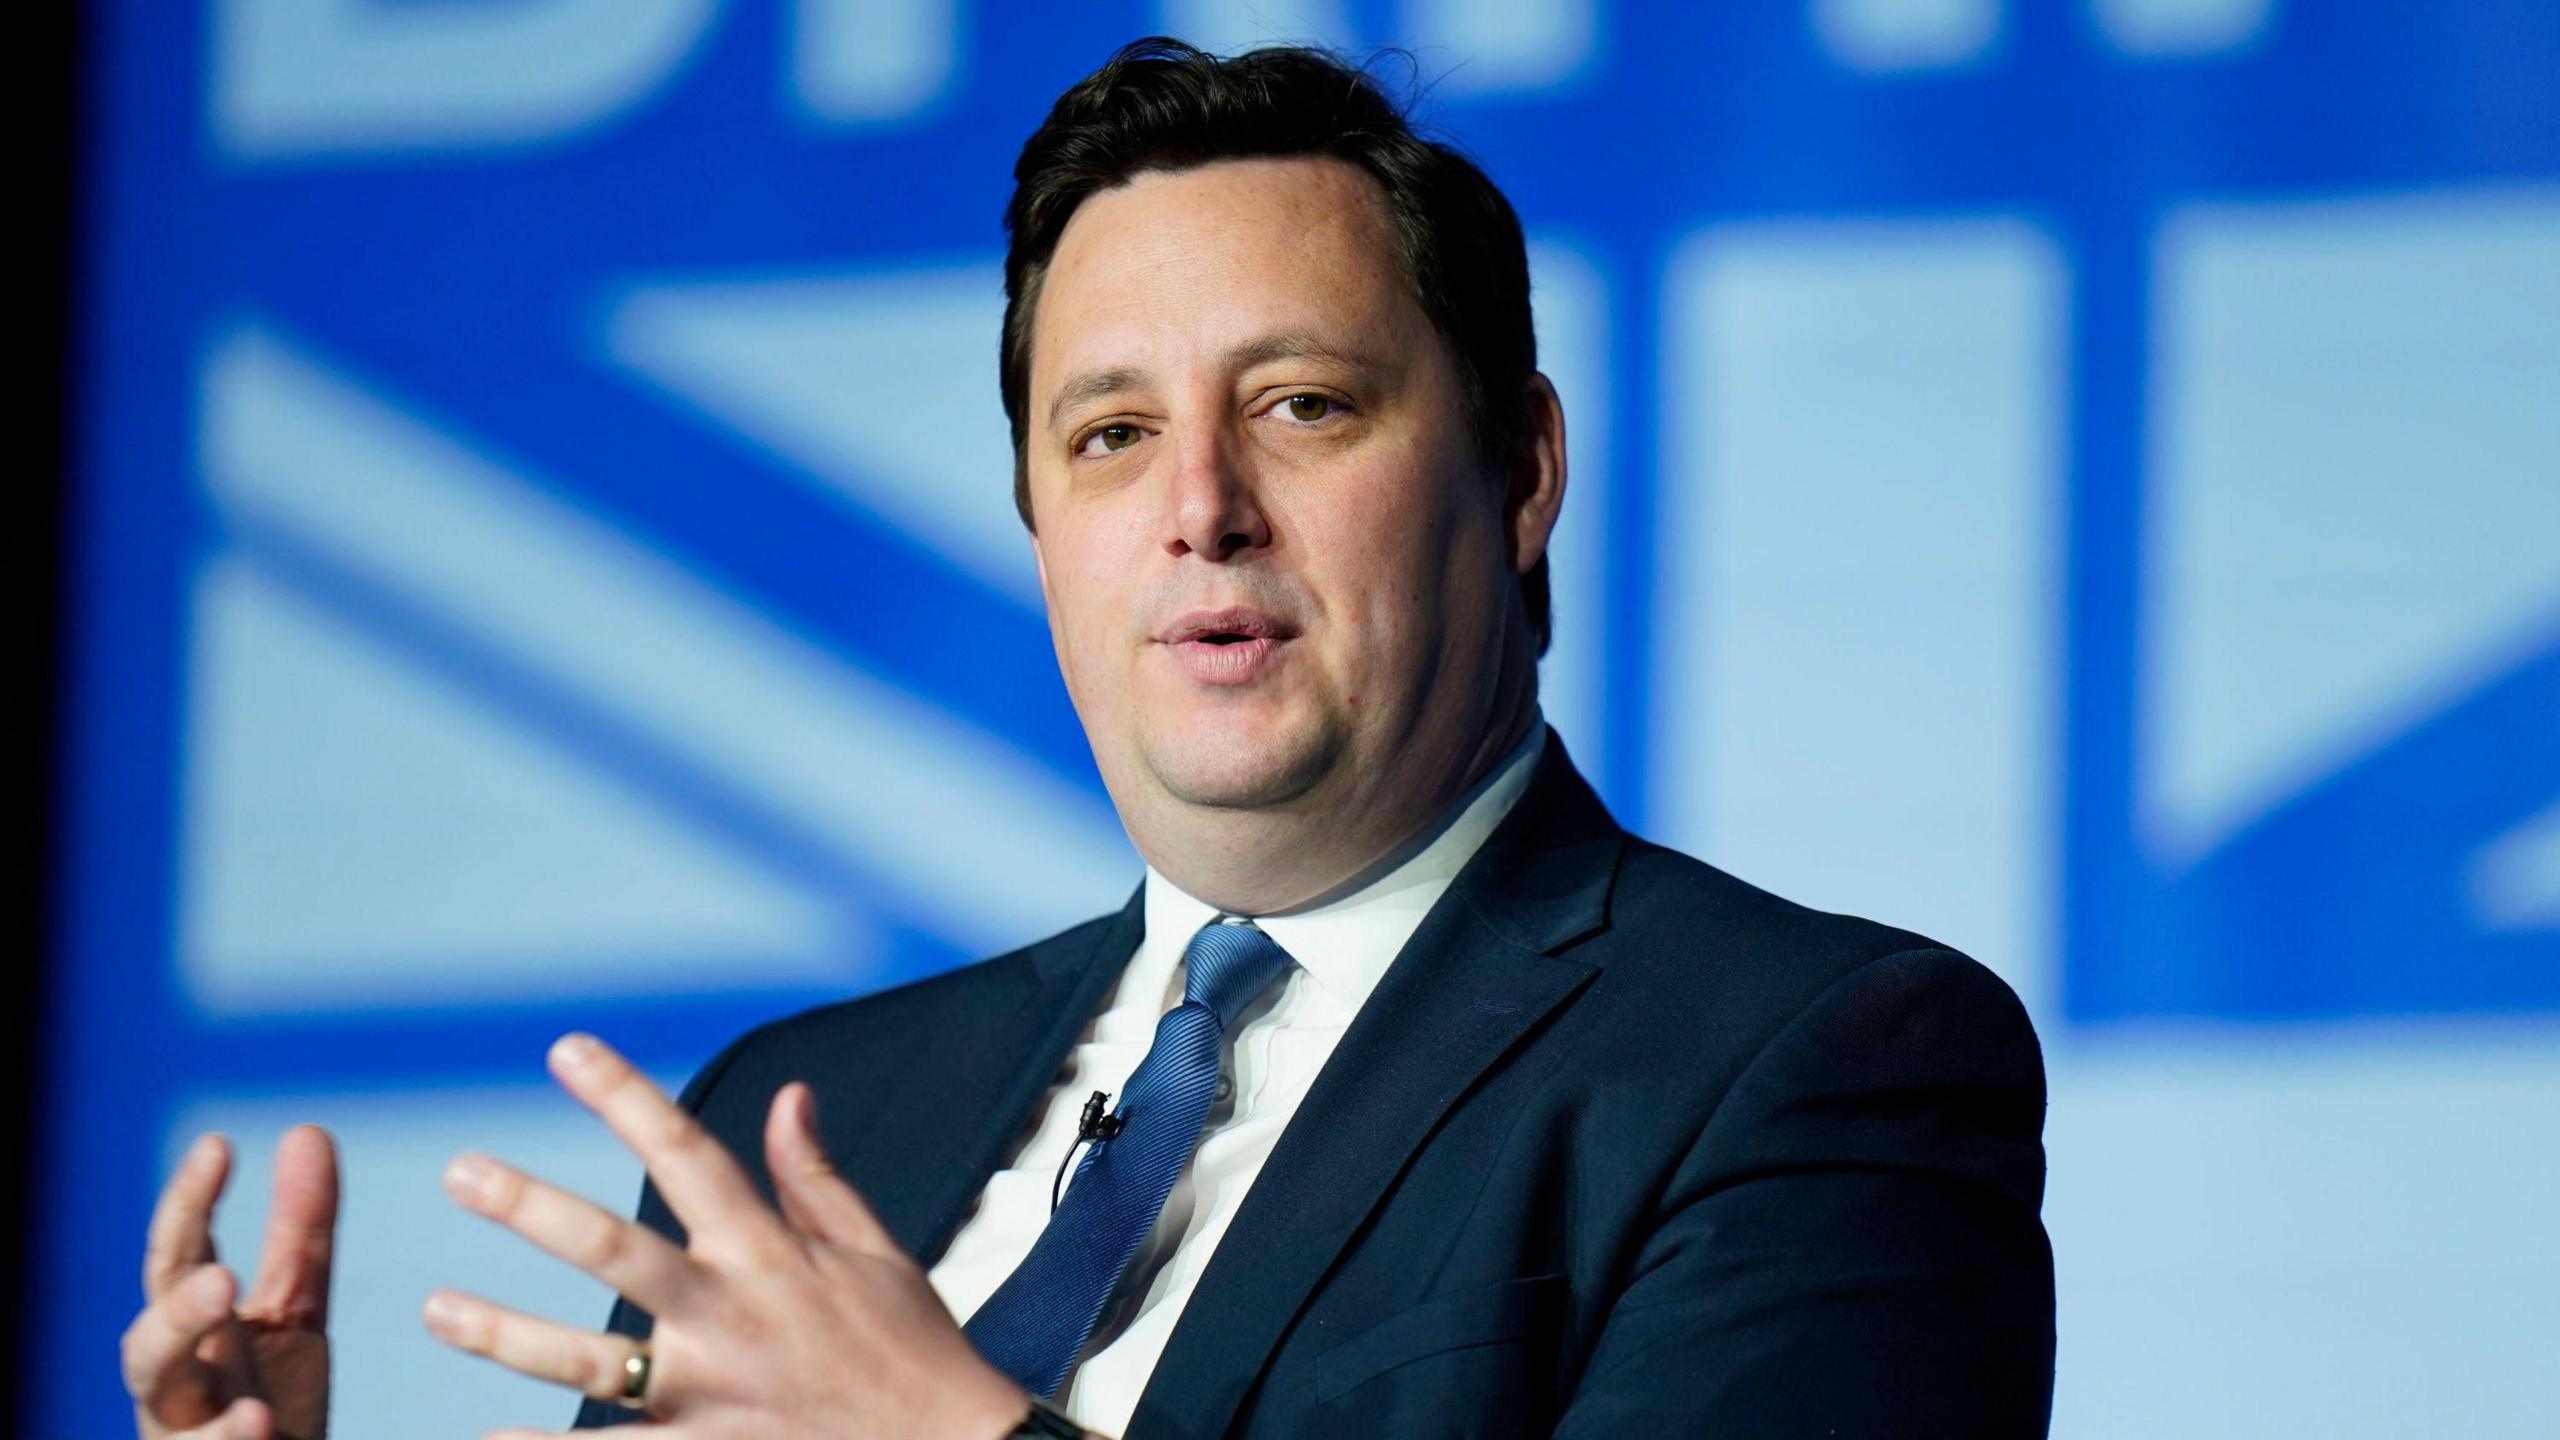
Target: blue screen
pixel 2080 479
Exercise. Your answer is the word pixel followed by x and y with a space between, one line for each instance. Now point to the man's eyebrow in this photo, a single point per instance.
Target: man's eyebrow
pixel 1093 385
pixel 1283 345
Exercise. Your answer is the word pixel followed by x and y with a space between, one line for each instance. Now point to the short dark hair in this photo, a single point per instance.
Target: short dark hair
pixel 1159 104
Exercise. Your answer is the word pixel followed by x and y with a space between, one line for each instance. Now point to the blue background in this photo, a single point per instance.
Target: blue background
pixel 540 532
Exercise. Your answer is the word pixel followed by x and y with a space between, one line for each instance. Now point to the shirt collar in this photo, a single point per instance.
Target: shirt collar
pixel 1348 942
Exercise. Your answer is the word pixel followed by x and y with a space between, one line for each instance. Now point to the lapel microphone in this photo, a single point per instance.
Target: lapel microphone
pixel 1092 1125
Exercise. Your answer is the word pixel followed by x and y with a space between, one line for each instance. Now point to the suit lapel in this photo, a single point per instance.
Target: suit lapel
pixel 1478 974
pixel 988 1096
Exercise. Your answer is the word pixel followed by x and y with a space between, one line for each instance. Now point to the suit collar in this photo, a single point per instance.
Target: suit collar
pixel 1480 973
pixel 1038 1011
pixel 1061 956
pixel 1542 881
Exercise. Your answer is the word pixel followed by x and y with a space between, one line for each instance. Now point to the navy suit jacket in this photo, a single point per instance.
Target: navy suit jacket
pixel 1620 1146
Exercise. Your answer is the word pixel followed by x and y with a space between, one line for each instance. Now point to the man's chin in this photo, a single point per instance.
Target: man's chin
pixel 1242 770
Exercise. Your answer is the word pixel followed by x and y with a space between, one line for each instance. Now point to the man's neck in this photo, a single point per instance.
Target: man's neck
pixel 1264 864
pixel 1524 746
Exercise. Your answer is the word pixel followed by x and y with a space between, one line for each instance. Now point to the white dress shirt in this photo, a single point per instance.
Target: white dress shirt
pixel 1275 1049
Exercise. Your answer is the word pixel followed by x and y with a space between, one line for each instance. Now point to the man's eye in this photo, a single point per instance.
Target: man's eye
pixel 1112 437
pixel 1309 408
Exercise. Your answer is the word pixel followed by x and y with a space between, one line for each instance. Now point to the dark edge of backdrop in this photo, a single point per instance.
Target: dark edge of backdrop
pixel 36 605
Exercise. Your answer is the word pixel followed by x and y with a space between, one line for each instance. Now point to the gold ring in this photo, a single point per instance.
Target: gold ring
pixel 635 1377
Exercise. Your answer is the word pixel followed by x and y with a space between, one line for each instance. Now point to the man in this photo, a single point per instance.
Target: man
pixel 1443 1106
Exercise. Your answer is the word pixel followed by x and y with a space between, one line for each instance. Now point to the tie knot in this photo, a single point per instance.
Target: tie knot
pixel 1227 965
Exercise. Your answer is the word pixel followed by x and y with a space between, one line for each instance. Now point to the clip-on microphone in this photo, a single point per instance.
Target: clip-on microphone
pixel 1092 1125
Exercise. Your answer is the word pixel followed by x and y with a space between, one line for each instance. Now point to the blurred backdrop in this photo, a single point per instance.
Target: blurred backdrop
pixel 2077 477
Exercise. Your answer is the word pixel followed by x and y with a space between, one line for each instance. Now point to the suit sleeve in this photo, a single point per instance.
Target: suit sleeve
pixel 627 1318
pixel 1851 1247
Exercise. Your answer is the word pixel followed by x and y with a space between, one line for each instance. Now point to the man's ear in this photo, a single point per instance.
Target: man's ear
pixel 1534 492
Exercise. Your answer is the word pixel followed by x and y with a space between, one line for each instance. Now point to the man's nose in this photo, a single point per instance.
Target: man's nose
pixel 1216 512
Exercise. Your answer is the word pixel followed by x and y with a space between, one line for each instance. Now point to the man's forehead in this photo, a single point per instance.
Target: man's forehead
pixel 1248 258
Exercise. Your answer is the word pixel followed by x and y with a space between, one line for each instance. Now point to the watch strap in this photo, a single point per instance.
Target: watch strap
pixel 1044 1423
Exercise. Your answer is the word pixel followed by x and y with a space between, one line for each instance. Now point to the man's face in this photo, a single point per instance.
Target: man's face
pixel 1276 568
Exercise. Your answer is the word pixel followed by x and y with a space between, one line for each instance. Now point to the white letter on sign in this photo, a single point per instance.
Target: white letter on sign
pixel 301 77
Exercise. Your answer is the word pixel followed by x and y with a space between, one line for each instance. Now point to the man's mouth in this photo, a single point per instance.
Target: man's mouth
pixel 1226 647
pixel 1233 626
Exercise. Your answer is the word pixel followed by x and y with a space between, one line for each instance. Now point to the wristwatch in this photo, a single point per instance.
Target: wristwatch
pixel 1044 1423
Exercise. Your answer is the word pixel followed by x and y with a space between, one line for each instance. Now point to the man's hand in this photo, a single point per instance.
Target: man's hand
pixel 807 1323
pixel 197 1367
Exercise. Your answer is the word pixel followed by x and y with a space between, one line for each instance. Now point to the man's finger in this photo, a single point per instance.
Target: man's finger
pixel 815 1199
pixel 701 1183
pixel 582 1360
pixel 181 1234
pixel 293 1268
pixel 639 1263
pixel 161 1371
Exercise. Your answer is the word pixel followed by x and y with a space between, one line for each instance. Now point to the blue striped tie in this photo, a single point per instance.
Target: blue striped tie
pixel 1038 1320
